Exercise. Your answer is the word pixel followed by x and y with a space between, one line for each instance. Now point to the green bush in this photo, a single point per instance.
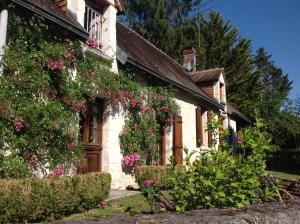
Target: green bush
pixel 162 176
pixel 28 200
pixel 225 178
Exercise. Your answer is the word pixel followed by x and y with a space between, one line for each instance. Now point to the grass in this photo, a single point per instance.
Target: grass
pixel 135 204
pixel 290 175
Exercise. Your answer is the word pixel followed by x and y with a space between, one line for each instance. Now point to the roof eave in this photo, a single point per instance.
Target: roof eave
pixel 207 99
pixel 53 18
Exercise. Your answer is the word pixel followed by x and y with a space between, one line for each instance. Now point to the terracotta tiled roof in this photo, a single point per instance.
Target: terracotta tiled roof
pixel 207 75
pixel 142 53
pixel 50 10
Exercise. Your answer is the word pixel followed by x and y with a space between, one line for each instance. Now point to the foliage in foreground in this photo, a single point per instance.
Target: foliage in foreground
pixel 28 200
pixel 220 177
pixel 223 178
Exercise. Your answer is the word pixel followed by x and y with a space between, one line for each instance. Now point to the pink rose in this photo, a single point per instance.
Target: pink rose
pixel 239 139
pixel 19 124
pixel 164 108
pixel 149 183
pixel 102 202
pixel 135 126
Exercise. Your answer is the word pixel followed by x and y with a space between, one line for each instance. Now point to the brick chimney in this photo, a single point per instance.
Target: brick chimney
pixel 189 60
pixel 63 4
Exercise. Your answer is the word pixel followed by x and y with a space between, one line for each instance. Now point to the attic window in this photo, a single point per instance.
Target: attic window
pixel 222 93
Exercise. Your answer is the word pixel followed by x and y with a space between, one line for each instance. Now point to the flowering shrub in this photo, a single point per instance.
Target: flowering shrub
pixel 150 111
pixel 223 178
pixel 40 98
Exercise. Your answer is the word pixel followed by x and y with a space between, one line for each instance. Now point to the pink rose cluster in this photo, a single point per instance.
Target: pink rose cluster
pixel 71 55
pixel 149 183
pixel 134 103
pixel 19 124
pixel 58 171
pixel 131 160
pixel 92 43
pixel 55 65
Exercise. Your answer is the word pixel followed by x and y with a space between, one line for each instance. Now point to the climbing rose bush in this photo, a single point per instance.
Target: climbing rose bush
pixel 41 98
pixel 150 111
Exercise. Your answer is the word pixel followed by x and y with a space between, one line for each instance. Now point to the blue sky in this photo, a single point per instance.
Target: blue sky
pixel 272 24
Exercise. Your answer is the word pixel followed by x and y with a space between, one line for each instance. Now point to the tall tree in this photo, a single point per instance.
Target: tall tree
pixel 221 46
pixel 276 89
pixel 165 23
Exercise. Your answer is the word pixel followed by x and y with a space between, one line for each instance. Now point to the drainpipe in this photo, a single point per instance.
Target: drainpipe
pixel 3 29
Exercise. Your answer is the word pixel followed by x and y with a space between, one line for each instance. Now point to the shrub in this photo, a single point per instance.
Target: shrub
pixel 161 175
pixel 28 200
pixel 226 178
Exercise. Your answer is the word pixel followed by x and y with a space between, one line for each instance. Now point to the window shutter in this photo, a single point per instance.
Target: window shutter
pixel 177 140
pixel 199 127
pixel 221 129
pixel 209 119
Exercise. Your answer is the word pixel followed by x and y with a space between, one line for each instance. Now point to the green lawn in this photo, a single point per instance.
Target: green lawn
pixel 137 203
pixel 290 175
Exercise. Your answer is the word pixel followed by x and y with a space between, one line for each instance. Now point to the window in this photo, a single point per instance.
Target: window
pixel 222 93
pixel 93 24
pixel 91 124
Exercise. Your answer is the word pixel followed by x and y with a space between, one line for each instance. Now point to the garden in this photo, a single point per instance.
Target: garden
pixel 46 84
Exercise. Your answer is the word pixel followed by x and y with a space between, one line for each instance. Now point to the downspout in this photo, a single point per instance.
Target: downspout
pixel 3 30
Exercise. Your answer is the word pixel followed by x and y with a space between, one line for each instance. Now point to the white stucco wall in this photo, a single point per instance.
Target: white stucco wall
pixel 111 154
pixel 110 34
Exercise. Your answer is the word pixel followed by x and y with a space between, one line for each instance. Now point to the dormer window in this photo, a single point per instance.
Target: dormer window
pixel 93 24
pixel 222 93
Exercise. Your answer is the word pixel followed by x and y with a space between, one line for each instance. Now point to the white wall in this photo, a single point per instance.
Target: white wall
pixel 111 154
pixel 110 34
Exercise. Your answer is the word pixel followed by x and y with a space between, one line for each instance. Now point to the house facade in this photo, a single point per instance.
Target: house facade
pixel 199 93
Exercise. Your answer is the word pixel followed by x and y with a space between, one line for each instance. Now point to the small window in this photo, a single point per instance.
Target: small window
pixel 222 93
pixel 91 123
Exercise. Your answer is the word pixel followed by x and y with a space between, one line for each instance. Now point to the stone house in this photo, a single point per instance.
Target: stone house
pixel 199 92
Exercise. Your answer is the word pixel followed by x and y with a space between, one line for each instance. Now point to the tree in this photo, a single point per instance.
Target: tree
pixel 276 89
pixel 165 23
pixel 221 46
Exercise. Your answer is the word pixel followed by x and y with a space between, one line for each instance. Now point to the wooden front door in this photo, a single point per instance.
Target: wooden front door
pixel 177 140
pixel 92 136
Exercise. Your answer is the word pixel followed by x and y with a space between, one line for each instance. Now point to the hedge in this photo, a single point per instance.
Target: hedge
pixel 160 174
pixel 34 200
